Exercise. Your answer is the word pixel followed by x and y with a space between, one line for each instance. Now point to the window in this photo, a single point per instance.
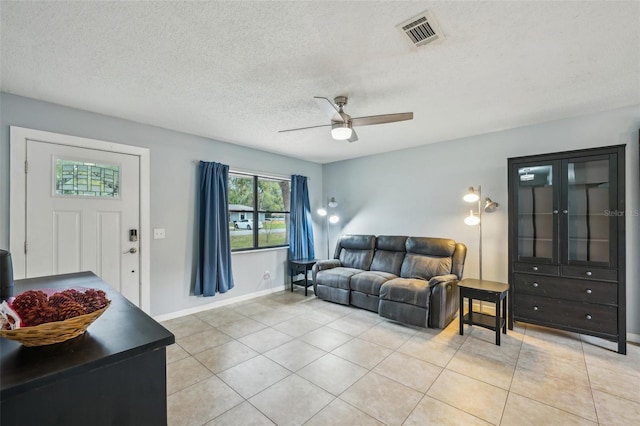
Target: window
pixel 81 179
pixel 258 211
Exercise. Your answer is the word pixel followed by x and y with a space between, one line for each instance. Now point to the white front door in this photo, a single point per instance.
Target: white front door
pixel 81 207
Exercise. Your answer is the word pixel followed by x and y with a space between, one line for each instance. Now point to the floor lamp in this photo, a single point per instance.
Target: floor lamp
pixel 330 219
pixel 475 218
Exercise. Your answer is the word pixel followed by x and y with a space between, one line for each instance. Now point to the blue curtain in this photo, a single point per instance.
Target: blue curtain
pixel 213 271
pixel 300 227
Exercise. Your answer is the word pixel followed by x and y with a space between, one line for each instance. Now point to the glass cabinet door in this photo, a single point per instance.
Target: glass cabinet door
pixel 588 216
pixel 536 202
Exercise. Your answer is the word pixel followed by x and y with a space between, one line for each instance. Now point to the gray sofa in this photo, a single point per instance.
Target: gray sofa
pixel 406 279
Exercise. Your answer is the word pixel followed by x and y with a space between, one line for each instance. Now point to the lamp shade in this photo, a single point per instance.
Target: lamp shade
pixel 333 203
pixel 341 131
pixel 472 219
pixel 490 206
pixel 471 196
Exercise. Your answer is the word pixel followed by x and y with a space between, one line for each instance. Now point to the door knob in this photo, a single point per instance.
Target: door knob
pixel 131 250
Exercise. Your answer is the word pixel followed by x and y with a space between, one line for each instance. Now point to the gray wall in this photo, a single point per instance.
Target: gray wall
pixel 415 191
pixel 419 191
pixel 173 175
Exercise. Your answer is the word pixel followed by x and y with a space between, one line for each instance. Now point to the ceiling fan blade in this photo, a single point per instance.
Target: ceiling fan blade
pixel 354 136
pixel 304 128
pixel 381 119
pixel 332 111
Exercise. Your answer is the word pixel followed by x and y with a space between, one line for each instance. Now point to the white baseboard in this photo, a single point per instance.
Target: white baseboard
pixel 196 309
pixel 635 338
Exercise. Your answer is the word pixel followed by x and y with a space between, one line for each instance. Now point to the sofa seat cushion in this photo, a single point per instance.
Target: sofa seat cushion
pixel 369 282
pixel 336 277
pixel 406 290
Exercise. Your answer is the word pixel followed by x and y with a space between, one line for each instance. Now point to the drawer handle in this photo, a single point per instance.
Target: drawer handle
pixel 565 211
pixel 555 212
pixel 589 273
pixel 535 308
pixel 535 268
pixel 536 284
pixel 588 291
pixel 588 316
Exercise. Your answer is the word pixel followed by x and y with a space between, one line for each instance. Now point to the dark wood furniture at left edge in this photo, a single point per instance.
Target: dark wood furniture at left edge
pixel 115 373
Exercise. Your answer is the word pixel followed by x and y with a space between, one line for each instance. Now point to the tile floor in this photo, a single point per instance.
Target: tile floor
pixel 287 359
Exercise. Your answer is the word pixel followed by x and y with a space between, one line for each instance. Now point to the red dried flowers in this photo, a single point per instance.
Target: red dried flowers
pixel 35 307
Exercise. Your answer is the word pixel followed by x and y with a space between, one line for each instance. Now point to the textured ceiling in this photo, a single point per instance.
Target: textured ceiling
pixel 240 71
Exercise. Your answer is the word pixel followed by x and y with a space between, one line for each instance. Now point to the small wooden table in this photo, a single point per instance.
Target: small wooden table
pixel 301 266
pixel 488 291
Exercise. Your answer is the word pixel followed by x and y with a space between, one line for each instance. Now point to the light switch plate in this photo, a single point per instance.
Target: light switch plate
pixel 158 233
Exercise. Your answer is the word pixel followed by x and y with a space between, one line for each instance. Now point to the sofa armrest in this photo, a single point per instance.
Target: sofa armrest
pixel 322 265
pixel 439 279
pixel 444 300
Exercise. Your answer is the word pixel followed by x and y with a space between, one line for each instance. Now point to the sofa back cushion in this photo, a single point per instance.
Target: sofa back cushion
pixel 389 254
pixel 427 257
pixel 356 251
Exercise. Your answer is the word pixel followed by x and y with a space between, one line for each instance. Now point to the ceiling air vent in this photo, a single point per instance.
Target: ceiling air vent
pixel 421 29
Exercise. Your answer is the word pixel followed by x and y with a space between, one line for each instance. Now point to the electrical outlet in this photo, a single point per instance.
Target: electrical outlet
pixel 266 275
pixel 158 233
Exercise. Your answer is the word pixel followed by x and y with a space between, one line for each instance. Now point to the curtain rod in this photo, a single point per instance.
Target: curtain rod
pixel 254 173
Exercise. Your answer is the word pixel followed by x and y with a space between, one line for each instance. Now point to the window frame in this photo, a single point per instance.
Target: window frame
pixel 255 213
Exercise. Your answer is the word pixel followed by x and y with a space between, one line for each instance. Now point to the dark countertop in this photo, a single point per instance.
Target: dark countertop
pixel 122 332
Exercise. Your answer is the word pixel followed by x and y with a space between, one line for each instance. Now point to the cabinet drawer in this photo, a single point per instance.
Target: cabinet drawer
pixel 565 288
pixel 564 313
pixel 533 268
pixel 585 272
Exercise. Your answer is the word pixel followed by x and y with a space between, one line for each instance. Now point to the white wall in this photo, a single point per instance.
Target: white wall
pixel 173 175
pixel 419 191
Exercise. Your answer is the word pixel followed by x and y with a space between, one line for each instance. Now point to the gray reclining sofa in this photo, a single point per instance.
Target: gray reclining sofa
pixel 407 279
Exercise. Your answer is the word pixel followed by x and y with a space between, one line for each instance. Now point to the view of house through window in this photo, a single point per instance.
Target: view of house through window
pixel 258 211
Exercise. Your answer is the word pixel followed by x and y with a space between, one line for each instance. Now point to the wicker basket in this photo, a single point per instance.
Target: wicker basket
pixel 53 332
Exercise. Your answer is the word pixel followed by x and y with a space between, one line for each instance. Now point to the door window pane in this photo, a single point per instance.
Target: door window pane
pixel 82 179
pixel 535 211
pixel 588 202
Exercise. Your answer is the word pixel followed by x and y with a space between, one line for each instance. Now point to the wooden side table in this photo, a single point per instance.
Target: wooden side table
pixel 301 266
pixel 487 291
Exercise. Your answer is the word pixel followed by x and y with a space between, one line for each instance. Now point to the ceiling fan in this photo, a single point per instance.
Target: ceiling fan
pixel 342 125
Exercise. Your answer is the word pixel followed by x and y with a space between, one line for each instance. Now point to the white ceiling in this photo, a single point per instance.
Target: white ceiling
pixel 240 71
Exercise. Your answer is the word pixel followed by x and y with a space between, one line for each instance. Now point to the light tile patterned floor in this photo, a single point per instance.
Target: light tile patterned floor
pixel 287 359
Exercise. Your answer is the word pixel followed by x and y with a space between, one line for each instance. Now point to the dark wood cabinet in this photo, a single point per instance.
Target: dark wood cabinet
pixel 567 242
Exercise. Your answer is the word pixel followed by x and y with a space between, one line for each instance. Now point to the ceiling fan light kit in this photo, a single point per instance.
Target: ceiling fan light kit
pixel 342 123
pixel 341 131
